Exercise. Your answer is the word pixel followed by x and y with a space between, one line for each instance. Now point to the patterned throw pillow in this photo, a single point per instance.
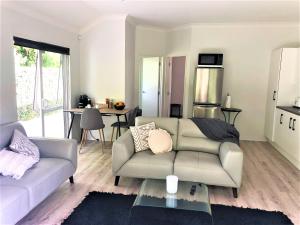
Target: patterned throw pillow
pixel 21 144
pixel 160 141
pixel 140 136
pixel 14 164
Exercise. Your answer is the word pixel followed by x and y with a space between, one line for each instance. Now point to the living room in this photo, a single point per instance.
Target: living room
pixel 236 156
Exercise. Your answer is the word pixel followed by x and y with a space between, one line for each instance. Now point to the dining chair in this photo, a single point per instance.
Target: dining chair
pixel 91 119
pixel 131 115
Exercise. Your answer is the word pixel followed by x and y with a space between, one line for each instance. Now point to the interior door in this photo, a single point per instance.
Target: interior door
pixel 272 93
pixel 150 86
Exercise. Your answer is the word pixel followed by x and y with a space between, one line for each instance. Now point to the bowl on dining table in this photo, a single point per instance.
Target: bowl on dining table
pixel 119 105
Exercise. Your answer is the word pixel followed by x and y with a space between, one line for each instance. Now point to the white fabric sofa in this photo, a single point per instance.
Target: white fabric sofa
pixel 58 162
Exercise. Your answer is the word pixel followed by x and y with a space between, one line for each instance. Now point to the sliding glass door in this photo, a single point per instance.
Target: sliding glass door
pixel 42 91
pixel 52 94
pixel 27 88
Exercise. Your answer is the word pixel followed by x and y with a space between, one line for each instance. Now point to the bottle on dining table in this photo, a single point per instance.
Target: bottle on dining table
pixel 107 102
pixel 111 103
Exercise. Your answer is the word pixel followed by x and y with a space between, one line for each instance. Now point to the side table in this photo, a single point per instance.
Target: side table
pixel 229 111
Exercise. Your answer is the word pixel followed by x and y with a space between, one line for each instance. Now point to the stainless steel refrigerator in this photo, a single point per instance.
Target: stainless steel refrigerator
pixel 208 85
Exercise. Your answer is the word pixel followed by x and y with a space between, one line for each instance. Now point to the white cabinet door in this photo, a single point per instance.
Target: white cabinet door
pixel 292 127
pixel 272 93
pixel 280 134
pixel 287 134
pixel 289 76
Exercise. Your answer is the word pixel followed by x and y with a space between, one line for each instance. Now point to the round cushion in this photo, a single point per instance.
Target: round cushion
pixel 160 141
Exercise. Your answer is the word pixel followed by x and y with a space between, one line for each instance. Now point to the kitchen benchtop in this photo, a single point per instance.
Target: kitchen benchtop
pixel 290 109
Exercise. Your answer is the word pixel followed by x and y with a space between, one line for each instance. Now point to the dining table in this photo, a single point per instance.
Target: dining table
pixel 104 112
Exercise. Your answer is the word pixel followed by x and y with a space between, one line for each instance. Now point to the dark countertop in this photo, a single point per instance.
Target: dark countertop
pixel 290 109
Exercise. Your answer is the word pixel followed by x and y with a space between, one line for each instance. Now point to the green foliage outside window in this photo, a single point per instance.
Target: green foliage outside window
pixel 28 57
pixel 51 60
pixel 27 113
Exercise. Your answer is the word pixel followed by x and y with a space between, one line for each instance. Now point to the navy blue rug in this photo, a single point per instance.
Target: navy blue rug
pixel 115 209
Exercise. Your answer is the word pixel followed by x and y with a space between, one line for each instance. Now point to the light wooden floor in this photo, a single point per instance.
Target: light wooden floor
pixel 270 182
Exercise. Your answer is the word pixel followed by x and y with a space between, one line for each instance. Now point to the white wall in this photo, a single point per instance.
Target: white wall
pixel 247 49
pixel 179 44
pixel 102 60
pixel 178 41
pixel 148 42
pixel 130 64
pixel 16 24
pixel 102 63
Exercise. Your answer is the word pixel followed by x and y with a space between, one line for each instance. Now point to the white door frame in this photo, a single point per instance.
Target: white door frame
pixel 167 87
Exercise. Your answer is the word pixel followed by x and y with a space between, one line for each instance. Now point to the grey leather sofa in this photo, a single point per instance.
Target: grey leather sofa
pixel 195 157
pixel 58 162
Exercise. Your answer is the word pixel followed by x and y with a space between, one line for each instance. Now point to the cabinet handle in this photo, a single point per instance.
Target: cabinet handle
pixel 274 93
pixel 294 120
pixel 281 115
pixel 290 125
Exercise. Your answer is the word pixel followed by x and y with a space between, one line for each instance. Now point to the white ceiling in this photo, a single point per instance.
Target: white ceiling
pixel 76 15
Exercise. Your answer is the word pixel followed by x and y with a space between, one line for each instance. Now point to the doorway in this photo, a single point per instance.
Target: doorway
pixel 150 86
pixel 174 86
pixel 42 91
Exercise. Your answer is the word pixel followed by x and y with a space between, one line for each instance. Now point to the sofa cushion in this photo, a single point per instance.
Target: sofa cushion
pixel 168 124
pixel 20 143
pixel 140 136
pixel 42 179
pixel 160 141
pixel 188 128
pixel 192 139
pixel 7 131
pixel 145 164
pixel 14 204
pixel 201 167
pixel 14 164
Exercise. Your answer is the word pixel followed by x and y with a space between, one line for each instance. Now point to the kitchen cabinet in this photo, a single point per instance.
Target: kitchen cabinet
pixel 287 135
pixel 283 86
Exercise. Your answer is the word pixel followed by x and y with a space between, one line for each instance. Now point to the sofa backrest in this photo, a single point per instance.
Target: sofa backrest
pixel 191 138
pixel 168 124
pixel 7 131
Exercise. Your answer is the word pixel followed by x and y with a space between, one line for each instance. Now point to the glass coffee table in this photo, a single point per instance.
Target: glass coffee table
pixel 153 195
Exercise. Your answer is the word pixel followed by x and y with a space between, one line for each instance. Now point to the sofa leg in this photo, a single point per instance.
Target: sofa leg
pixel 117 180
pixel 235 192
pixel 71 179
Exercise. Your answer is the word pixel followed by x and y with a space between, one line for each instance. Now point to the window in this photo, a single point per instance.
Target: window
pixel 42 84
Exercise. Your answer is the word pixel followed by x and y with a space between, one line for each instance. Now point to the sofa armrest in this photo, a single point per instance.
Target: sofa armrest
pixel 57 148
pixel 231 157
pixel 122 150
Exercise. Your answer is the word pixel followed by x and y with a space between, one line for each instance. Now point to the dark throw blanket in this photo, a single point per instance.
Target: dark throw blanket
pixel 217 130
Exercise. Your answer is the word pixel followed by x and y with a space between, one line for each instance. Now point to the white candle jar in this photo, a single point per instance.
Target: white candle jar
pixel 172 184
